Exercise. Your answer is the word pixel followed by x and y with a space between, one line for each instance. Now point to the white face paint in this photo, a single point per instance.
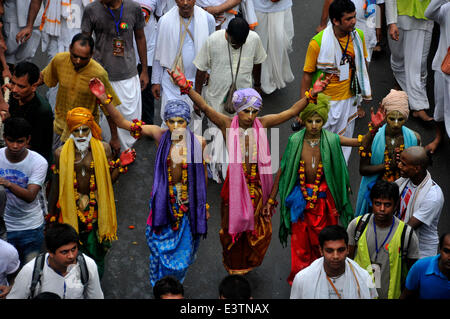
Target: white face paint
pixel 82 143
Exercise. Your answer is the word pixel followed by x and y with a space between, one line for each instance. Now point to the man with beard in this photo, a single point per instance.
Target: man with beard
pixel 83 195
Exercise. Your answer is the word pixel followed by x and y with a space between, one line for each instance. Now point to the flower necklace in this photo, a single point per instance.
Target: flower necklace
pixel 87 217
pixel 311 200
pixel 252 179
pixel 391 174
pixel 179 208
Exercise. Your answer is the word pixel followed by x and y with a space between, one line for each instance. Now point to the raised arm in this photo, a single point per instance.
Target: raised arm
pixel 221 120
pixel 98 89
pixel 279 118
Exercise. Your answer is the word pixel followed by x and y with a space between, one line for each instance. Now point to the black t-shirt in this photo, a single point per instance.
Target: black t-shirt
pixel 39 114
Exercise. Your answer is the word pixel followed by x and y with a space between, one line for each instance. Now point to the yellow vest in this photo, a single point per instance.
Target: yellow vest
pixel 395 262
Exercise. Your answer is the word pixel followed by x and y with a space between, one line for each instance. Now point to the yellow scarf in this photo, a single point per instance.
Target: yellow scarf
pixel 107 222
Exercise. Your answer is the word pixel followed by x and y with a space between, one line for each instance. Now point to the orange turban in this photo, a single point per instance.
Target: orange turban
pixel 82 116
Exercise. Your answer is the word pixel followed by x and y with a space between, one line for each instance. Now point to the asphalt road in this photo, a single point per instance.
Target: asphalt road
pixel 127 263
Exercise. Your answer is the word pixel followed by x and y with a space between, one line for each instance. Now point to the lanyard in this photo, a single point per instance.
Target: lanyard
pixel 117 23
pixel 377 248
pixel 344 52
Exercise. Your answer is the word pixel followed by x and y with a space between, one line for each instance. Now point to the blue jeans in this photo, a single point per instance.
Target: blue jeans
pixel 27 242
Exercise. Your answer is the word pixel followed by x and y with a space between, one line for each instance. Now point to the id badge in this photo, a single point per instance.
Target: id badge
pixel 344 71
pixel 118 47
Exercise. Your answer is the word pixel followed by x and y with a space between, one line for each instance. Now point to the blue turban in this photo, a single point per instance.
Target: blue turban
pixel 177 108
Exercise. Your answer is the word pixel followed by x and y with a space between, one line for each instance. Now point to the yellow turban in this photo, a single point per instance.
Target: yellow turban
pixel 82 116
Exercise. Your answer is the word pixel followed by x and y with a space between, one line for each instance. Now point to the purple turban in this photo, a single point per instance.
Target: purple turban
pixel 177 108
pixel 245 98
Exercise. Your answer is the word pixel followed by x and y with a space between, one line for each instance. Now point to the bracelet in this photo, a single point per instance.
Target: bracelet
pixel 54 169
pixel 363 152
pixel 136 128
pixel 310 97
pixel 108 100
pixel 186 88
pixel 272 202
pixel 116 164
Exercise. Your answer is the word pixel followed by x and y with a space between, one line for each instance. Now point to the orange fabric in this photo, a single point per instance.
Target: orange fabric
pixel 82 116
pixel 249 249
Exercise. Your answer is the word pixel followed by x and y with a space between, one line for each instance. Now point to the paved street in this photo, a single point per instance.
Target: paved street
pixel 127 273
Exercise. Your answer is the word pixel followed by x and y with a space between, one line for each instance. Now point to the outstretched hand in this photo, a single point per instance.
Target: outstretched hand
pixel 97 88
pixel 379 117
pixel 179 78
pixel 321 83
pixel 127 157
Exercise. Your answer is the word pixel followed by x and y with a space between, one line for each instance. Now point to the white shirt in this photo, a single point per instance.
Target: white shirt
pixel 9 261
pixel 67 287
pixel 20 215
pixel 428 213
pixel 214 57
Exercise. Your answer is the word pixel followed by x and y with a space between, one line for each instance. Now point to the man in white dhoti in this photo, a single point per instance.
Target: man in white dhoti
pixel 182 31
pixel 59 21
pixel 276 30
pixel 220 55
pixel 116 24
pixel 409 40
pixel 340 50
pixel 439 11
pixel 14 19
pixel 334 275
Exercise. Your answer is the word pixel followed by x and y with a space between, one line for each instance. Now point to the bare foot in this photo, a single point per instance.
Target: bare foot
pixel 423 115
pixel 361 112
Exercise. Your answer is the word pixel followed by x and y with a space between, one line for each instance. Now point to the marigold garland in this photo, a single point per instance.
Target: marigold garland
pixel 311 200
pixel 90 216
pixel 178 210
pixel 389 174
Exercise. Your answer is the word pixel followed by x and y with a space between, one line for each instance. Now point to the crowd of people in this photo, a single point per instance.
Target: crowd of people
pixel 209 63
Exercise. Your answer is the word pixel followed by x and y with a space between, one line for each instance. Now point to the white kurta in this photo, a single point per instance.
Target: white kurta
pixel 276 30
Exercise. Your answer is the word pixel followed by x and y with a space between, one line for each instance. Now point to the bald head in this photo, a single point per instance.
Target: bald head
pixel 416 155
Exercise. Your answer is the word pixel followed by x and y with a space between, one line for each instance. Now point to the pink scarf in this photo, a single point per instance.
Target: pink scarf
pixel 241 212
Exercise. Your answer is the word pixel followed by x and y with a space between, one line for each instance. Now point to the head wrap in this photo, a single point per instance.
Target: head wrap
pixel 177 108
pixel 321 108
pixel 396 101
pixel 82 116
pixel 245 98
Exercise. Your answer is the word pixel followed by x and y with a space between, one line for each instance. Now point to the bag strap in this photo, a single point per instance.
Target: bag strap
pixel 37 273
pixel 234 78
pixel 182 37
pixel 361 226
pixel 84 273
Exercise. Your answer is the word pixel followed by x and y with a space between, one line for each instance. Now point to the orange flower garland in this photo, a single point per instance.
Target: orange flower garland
pixel 389 174
pixel 178 210
pixel 90 216
pixel 311 200
pixel 252 179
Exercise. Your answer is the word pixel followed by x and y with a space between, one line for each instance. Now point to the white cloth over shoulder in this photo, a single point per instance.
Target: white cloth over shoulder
pixel 330 56
pixel 168 36
pixel 312 283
